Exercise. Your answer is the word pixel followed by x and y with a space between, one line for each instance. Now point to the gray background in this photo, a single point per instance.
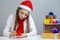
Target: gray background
pixel 41 8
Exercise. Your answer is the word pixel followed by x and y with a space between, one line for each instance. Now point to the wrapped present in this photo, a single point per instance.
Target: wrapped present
pixel 55 21
pixel 51 13
pixel 58 21
pixel 54 30
pixel 47 21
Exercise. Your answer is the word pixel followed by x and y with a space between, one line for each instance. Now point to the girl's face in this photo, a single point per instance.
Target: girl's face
pixel 23 13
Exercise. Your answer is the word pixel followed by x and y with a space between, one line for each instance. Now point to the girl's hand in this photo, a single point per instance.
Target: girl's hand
pixel 13 34
pixel 22 36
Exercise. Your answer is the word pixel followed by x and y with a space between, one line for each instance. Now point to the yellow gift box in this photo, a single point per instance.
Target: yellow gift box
pixel 47 21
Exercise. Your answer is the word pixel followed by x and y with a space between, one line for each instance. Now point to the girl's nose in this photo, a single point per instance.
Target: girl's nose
pixel 23 16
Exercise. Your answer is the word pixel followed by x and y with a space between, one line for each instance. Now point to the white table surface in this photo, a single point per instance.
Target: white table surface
pixel 37 37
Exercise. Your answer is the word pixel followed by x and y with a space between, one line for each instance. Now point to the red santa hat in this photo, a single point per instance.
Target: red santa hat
pixel 26 5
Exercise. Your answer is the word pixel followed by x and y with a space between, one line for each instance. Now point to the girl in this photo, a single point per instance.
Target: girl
pixel 21 24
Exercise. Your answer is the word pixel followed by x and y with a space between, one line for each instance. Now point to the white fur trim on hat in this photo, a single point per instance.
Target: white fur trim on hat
pixel 25 7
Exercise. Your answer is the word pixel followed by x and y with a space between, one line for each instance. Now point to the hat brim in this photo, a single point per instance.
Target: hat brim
pixel 25 7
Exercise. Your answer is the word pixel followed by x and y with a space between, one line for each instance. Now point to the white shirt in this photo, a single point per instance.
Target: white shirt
pixel 10 25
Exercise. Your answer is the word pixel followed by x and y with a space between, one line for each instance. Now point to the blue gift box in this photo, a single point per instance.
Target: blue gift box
pixel 54 30
pixel 58 21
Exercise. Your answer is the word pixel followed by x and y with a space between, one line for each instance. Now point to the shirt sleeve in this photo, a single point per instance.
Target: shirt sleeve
pixel 7 29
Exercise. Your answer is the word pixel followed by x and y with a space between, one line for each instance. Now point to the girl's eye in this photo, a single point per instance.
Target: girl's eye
pixel 22 13
pixel 25 14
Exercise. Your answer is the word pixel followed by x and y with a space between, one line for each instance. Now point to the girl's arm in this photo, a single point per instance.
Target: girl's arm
pixel 7 29
pixel 32 27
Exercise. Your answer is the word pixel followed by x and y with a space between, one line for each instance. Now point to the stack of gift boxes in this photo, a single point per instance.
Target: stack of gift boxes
pixel 51 22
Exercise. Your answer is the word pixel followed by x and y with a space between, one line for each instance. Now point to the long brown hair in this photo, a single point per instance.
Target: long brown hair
pixel 16 18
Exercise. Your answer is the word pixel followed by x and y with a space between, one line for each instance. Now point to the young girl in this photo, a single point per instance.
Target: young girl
pixel 22 23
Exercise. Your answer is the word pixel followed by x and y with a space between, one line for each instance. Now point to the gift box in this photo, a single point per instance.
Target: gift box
pixel 55 21
pixel 47 21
